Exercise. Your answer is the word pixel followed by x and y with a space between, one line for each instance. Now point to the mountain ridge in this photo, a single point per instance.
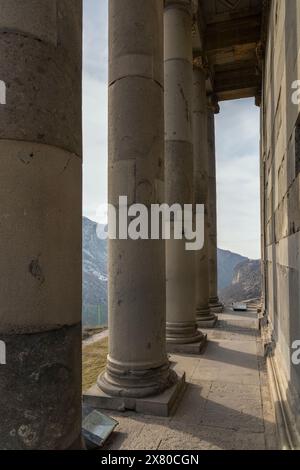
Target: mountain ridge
pixel 239 276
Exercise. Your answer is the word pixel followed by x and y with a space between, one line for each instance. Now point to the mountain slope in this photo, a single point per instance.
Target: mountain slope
pixel 239 277
pixel 94 283
pixel 246 283
pixel 227 262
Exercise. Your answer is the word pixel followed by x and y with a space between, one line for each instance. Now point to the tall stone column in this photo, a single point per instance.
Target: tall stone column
pixel 137 364
pixel 205 318
pixel 40 224
pixel 180 263
pixel 215 304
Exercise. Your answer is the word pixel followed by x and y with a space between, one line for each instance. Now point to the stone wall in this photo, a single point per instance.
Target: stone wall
pixel 281 191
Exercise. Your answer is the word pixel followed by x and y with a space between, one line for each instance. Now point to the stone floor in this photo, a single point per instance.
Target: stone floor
pixel 226 404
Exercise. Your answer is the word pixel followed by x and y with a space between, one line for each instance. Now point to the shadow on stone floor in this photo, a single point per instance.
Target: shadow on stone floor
pixel 230 328
pixel 217 352
pixel 214 416
pixel 226 404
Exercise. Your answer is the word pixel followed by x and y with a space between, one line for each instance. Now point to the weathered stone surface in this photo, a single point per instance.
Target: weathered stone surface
pixel 145 323
pixel 40 230
pixel 56 22
pixel 41 224
pixel 137 365
pixel 202 154
pixel 35 111
pixel 133 41
pixel 214 303
pixel 178 100
pixel 280 196
pixel 40 390
pixel 180 263
pixel 135 139
pixel 31 18
pixel 178 184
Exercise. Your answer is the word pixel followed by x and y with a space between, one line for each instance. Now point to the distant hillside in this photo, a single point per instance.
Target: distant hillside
pixel 94 283
pixel 227 262
pixel 246 283
pixel 239 277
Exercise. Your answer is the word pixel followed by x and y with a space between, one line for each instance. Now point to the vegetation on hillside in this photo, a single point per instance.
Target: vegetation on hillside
pixel 93 362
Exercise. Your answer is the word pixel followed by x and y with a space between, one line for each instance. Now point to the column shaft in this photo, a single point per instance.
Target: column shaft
pixel 40 224
pixel 204 317
pixel 215 304
pixel 137 364
pixel 180 263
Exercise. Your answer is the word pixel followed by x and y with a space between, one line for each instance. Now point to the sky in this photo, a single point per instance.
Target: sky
pixel 237 161
pixel 237 146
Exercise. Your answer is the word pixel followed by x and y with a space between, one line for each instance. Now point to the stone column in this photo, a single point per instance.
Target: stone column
pixel 40 224
pixel 137 364
pixel 205 318
pixel 215 304
pixel 180 263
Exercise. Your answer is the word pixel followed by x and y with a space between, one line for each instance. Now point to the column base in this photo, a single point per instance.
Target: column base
pixel 189 348
pixel 79 444
pixel 206 319
pixel 162 404
pixel 132 381
pixel 183 333
pixel 215 305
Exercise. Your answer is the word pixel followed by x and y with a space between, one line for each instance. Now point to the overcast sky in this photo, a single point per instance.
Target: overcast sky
pixel 237 133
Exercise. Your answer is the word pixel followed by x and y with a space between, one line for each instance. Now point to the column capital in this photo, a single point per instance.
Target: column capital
pixel 212 103
pixel 200 62
pixel 195 6
pixel 185 5
pixel 260 52
pixel 258 98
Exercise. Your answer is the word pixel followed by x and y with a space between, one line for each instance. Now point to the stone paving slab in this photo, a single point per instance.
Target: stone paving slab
pixel 244 320
pixel 226 404
pixel 191 410
pixel 187 437
pixel 187 363
pixel 232 334
pixel 209 438
pixel 228 361
pixel 234 406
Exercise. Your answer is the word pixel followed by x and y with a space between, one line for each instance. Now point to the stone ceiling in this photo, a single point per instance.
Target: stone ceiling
pixel 232 42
